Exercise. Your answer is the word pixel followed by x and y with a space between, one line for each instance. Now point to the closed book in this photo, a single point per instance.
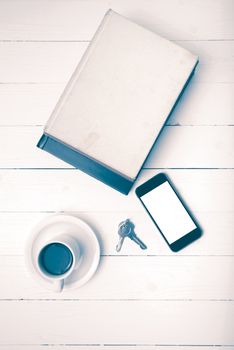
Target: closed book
pixel 117 101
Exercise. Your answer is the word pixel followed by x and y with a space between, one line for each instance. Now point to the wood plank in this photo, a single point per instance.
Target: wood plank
pixel 193 20
pixel 215 63
pixel 110 347
pixel 177 147
pixel 31 62
pixel 72 190
pixel 28 104
pixel 152 278
pixel 82 322
pixel 201 104
pixel 193 147
pixel 217 239
pixel 20 143
pixel 205 104
pixel 54 62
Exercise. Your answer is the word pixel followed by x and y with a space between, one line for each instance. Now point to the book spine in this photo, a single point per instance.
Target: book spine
pixel 78 70
pixel 84 163
pixel 42 142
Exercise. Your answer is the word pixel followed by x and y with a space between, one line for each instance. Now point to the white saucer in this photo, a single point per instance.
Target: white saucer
pixel 90 250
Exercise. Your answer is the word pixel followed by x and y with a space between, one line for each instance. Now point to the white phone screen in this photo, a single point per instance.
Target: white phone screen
pixel 168 212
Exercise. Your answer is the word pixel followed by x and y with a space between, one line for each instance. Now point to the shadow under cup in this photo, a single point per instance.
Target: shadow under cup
pixel 55 259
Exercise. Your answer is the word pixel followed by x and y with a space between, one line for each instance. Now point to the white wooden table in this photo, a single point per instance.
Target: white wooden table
pixel 149 299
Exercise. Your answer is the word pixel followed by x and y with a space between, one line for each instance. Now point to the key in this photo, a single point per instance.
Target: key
pixel 123 231
pixel 120 243
pixel 132 235
pixel 126 229
pixel 137 240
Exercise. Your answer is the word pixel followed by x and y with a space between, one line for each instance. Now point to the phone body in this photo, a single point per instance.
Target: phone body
pixel 168 211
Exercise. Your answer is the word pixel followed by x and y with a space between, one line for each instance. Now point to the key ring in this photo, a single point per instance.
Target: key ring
pixel 125 225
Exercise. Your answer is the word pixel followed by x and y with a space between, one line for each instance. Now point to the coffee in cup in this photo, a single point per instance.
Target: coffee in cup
pixel 58 258
pixel 55 259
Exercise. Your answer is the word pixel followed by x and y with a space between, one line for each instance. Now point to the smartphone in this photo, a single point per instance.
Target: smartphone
pixel 168 211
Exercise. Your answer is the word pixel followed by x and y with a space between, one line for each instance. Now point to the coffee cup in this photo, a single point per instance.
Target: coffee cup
pixel 57 259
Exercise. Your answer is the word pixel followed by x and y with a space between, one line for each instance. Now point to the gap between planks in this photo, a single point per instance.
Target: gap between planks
pixel 115 346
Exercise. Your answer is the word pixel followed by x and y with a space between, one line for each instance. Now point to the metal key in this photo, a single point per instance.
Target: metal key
pixel 126 229
pixel 137 240
pixel 123 231
pixel 132 235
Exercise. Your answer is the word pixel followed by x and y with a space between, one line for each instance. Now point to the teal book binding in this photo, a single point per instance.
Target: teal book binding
pixel 84 163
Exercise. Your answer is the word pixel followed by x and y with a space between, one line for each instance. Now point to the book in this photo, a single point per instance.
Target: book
pixel 117 101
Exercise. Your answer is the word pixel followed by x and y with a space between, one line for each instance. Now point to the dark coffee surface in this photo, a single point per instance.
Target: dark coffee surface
pixel 56 258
